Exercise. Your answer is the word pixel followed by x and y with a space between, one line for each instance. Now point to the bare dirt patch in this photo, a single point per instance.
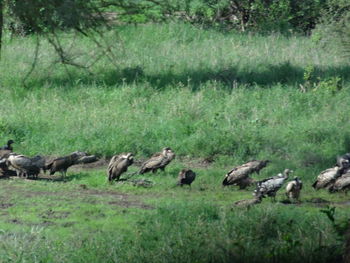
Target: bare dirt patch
pixel 5 205
pixel 127 204
pixel 51 214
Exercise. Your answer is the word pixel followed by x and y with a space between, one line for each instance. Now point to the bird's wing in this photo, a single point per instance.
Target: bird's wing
pixel 112 163
pixel 21 162
pixel 238 173
pixel 157 154
pixel 153 162
pixel 327 176
pixel 290 186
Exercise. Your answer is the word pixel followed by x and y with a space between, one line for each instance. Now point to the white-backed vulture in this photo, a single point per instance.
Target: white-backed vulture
pixel 61 164
pixel 293 188
pixel 186 176
pixel 343 161
pixel 158 161
pixel 26 166
pixel 270 186
pixel 342 183
pixel 118 165
pixel 327 177
pixel 240 173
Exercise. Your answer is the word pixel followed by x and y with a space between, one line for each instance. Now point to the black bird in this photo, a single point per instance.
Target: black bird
pixel 186 176
pixel 7 146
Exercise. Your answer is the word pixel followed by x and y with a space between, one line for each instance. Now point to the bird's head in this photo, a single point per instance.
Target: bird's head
pixel 129 156
pixel 286 172
pixel 9 142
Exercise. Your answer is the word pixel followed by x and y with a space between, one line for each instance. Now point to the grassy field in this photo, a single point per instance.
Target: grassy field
pixel 218 100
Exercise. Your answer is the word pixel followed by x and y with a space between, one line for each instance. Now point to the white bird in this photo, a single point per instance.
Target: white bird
pixel 293 188
pixel 270 186
pixel 327 177
pixel 26 166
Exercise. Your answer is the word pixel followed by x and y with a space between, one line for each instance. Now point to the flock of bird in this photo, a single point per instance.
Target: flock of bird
pixel 334 179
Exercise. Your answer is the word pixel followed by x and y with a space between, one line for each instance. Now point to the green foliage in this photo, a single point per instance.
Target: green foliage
pixel 257 15
pixel 334 27
pixel 48 16
pixel 311 82
pixel 203 93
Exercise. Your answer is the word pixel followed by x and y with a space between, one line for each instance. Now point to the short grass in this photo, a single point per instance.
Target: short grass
pixel 222 98
pixel 85 219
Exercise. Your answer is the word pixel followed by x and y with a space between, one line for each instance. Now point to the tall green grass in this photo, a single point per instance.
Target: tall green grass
pixel 230 97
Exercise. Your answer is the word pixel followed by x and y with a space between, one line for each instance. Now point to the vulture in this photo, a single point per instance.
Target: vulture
pixel 326 178
pixel 158 161
pixel 118 165
pixel 61 164
pixel 8 146
pixel 293 188
pixel 270 186
pixel 342 183
pixel 239 175
pixel 26 166
pixel 343 161
pixel 186 176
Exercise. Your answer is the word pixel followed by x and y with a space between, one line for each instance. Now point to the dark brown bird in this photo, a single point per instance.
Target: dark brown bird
pixel 8 146
pixel 327 178
pixel 158 161
pixel 342 183
pixel 61 164
pixel 240 173
pixel 186 176
pixel 118 165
